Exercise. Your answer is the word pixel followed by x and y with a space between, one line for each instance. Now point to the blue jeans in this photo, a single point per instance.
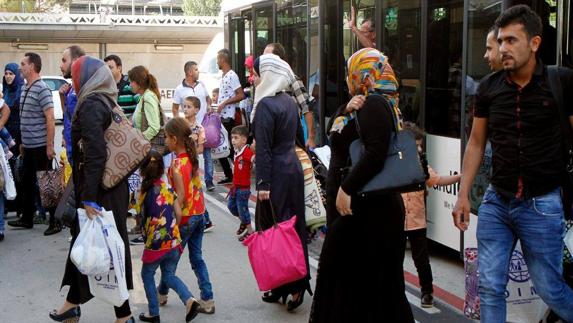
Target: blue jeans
pixel 207 218
pixel 239 204
pixel 192 235
pixel 168 264
pixel 208 165
pixel 538 224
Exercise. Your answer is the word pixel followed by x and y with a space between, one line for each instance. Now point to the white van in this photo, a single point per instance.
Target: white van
pixel 210 74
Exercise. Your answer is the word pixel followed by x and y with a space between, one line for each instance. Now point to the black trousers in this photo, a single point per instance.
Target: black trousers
pixel 35 159
pixel 419 249
pixel 228 123
pixel 74 298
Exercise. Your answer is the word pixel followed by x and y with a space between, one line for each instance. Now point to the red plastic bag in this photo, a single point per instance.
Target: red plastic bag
pixel 276 255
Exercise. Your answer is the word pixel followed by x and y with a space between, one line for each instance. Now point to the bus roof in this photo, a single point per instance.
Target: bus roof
pixel 230 5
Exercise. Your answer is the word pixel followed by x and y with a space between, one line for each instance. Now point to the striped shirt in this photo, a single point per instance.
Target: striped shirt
pixel 32 118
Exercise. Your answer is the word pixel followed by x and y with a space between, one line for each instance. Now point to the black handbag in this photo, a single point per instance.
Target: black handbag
pixel 402 171
pixel 66 209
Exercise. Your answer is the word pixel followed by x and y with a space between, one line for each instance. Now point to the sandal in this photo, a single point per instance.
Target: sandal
pixel 244 237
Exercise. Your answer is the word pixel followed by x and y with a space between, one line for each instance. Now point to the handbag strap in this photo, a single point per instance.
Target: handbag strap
pixel 556 87
pixel 258 210
pixel 392 113
pixel 144 123
pixel 26 94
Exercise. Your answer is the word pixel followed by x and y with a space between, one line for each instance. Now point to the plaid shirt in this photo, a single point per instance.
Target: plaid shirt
pixel 300 95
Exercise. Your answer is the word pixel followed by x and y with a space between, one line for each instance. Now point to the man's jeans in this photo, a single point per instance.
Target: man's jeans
pixel 238 204
pixel 192 235
pixel 168 264
pixel 208 165
pixel 538 223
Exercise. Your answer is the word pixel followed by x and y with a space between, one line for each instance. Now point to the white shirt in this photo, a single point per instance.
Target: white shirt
pixel 229 84
pixel 183 90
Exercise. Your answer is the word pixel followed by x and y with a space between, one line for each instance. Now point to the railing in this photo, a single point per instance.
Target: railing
pixel 105 19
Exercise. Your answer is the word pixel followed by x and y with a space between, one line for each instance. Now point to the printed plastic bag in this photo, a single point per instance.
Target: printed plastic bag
pixel 9 185
pixel 523 303
pixel 212 125
pixel 110 286
pixel 224 149
pixel 90 253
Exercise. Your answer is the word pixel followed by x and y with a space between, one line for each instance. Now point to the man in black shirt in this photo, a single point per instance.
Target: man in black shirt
pixel 516 110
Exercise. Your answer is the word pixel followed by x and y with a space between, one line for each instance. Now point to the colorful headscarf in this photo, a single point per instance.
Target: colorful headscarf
pixel 275 74
pixel 12 91
pixel 91 75
pixel 369 72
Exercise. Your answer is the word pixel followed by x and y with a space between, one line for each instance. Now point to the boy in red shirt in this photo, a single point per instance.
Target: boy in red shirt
pixel 241 190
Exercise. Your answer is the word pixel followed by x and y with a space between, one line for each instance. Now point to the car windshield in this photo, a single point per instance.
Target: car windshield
pixel 54 84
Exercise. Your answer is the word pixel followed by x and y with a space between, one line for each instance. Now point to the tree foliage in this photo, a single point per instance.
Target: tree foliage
pixel 35 6
pixel 202 7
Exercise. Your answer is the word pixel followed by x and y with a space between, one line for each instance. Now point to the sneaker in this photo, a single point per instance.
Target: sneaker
pixel 52 229
pixel 427 300
pixel 208 227
pixel 20 224
pixel 242 230
pixel 192 310
pixel 206 307
pixel 137 241
pixel 225 180
pixel 244 237
pixel 210 186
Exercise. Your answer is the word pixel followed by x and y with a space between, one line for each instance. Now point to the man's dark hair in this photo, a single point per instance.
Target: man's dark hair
pixel 521 14
pixel 493 29
pixel 242 131
pixel 36 60
pixel 114 58
pixel 216 90
pixel 278 50
pixel 188 65
pixel 372 24
pixel 76 51
pixel 225 54
pixel 194 101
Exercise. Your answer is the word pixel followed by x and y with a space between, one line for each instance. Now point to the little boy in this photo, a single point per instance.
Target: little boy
pixel 191 106
pixel 415 221
pixel 241 190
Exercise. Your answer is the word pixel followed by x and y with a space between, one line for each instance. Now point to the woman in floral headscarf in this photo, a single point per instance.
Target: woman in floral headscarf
pixel 97 92
pixel 360 274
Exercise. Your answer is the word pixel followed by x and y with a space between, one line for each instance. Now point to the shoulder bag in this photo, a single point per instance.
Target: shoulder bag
pixel 50 185
pixel 402 171
pixel 157 142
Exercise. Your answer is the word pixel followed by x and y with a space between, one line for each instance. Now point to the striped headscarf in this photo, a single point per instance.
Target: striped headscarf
pixel 369 72
pixel 91 75
pixel 276 76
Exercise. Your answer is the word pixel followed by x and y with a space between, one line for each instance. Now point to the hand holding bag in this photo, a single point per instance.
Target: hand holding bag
pixel 50 184
pixel 402 171
pixel 276 254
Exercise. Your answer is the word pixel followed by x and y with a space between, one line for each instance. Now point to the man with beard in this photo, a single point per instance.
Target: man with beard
pixel 68 94
pixel 516 111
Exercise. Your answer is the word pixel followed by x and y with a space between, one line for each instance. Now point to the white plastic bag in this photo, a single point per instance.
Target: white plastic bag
pixel 111 286
pixel 224 149
pixel 9 186
pixel 569 240
pixel 90 253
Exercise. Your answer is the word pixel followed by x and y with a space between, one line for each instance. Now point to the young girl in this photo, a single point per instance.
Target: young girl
pixel 184 178
pixel 161 215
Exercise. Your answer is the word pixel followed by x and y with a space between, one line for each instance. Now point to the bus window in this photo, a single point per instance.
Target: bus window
pixel 292 32
pixel 263 28
pixel 444 68
pixel 401 22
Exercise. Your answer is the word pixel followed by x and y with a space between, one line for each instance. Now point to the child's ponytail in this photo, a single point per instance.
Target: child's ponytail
pixel 151 170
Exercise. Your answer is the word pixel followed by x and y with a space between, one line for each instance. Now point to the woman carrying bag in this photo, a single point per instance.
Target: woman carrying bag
pixel 279 173
pixel 360 274
pixel 96 91
pixel 148 116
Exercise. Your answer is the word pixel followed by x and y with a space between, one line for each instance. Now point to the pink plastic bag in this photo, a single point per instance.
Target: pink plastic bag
pixel 276 255
pixel 212 125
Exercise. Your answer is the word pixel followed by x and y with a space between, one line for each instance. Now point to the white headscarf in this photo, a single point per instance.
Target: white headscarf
pixel 276 76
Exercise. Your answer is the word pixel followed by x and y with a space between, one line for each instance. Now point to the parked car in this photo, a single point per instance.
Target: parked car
pixel 55 83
